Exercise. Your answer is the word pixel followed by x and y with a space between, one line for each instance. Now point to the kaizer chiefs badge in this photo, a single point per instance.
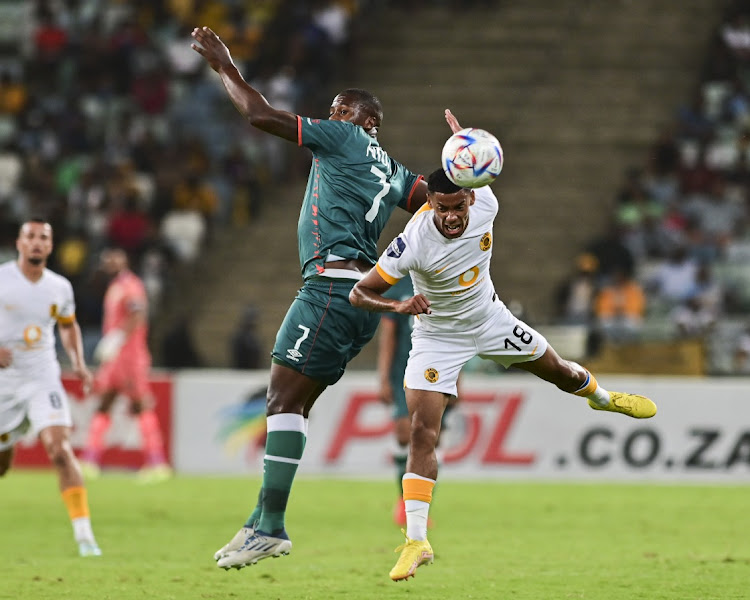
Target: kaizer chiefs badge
pixel 431 375
pixel 486 242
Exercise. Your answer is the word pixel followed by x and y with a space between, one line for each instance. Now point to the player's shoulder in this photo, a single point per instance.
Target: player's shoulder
pixel 485 195
pixel 57 279
pixel 8 267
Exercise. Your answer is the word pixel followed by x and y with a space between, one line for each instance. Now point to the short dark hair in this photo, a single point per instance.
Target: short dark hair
pixel 35 219
pixel 438 181
pixel 368 100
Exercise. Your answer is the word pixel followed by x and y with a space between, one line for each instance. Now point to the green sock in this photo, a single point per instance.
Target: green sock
pixel 252 520
pixel 285 443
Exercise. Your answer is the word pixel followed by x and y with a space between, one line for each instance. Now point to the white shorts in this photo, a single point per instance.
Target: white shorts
pixel 35 405
pixel 436 358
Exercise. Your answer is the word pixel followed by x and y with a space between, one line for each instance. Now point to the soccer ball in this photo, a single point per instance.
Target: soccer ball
pixel 472 158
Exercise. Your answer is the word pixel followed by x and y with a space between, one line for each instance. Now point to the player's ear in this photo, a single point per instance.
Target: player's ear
pixel 471 202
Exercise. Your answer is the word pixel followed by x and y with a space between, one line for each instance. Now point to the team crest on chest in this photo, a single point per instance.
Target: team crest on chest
pixel 431 375
pixel 486 242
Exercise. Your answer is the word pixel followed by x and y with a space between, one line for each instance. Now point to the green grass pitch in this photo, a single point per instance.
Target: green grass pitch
pixel 519 541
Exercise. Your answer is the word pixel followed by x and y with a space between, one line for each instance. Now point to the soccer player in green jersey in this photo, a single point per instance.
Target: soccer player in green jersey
pixel 353 188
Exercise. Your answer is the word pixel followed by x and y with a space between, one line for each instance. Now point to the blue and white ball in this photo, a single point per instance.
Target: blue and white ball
pixel 472 158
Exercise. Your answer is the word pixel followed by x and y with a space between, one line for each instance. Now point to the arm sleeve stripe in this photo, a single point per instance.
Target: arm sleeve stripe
pixel 69 320
pixel 299 130
pixel 385 276
pixel 411 193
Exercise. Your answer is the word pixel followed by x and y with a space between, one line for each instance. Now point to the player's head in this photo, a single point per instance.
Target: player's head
pixel 113 260
pixel 359 107
pixel 34 243
pixel 450 204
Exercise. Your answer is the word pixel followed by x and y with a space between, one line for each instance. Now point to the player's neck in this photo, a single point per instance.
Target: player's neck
pixel 31 271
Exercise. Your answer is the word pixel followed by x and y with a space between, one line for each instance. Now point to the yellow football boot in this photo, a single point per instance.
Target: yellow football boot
pixel 633 405
pixel 414 553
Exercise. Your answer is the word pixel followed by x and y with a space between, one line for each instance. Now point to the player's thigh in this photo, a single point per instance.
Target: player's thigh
pixel 508 341
pixel 48 405
pixel 322 332
pixel 435 361
pixel 426 410
pixel 13 426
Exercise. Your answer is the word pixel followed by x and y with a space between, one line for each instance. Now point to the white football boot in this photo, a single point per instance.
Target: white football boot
pixel 235 543
pixel 257 547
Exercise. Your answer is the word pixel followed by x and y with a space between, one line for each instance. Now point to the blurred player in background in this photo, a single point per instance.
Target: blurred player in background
pixel 32 300
pixel 447 249
pixel 394 344
pixel 125 363
pixel 353 188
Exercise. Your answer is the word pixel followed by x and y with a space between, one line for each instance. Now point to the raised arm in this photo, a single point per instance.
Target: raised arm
pixel 419 197
pixel 249 102
pixel 368 294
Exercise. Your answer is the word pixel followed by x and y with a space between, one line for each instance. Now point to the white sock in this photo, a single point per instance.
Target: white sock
pixel 600 396
pixel 416 519
pixel 82 531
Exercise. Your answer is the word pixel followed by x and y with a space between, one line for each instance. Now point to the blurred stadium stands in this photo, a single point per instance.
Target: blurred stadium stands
pixel 623 123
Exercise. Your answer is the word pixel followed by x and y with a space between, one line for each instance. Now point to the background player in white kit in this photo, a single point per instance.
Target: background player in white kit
pixel 446 247
pixel 32 300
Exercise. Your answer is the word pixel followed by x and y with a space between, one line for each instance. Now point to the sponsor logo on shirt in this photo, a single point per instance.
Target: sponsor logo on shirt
pixel 396 248
pixel 53 310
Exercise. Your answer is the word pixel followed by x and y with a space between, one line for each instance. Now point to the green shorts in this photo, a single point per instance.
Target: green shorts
pixel 322 331
pixel 400 409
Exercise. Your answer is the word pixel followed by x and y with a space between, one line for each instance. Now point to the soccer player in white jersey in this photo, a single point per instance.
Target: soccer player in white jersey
pixel 446 247
pixel 32 300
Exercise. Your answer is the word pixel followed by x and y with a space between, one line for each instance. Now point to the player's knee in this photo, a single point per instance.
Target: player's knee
pixel 60 455
pixel 277 403
pixel 423 434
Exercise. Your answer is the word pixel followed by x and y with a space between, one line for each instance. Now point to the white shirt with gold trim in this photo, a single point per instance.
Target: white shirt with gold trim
pixel 28 313
pixel 453 274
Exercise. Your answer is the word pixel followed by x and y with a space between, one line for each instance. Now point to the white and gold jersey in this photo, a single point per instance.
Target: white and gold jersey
pixel 28 313
pixel 453 274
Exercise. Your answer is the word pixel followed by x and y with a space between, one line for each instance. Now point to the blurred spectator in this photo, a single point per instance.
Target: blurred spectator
pixel 13 94
pixel 195 194
pixel 674 279
pixel 130 228
pixel 183 231
pixel 611 253
pixel 575 296
pixel 692 318
pixel 245 344
pixel 620 307
pixel 178 347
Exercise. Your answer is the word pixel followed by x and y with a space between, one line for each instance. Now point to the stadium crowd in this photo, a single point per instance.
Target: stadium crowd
pixel 673 262
pixel 113 129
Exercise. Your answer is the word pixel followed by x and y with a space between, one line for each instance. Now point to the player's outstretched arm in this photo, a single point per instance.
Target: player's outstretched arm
pixel 249 102
pixel 368 294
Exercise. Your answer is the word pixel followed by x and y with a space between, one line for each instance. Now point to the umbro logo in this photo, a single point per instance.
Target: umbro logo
pixel 293 354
